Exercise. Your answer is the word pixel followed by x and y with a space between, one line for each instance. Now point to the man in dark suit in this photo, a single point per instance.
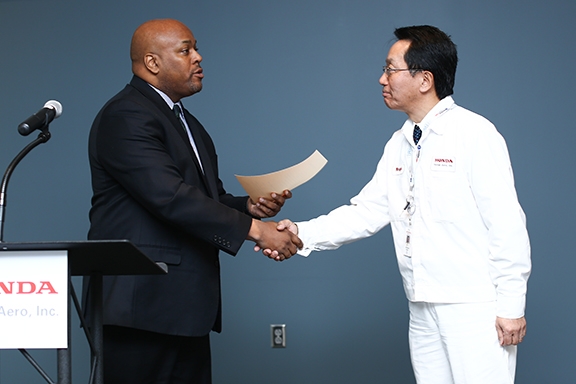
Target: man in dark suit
pixel 155 182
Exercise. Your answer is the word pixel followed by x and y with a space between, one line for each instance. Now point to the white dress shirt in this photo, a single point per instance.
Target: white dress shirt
pixel 171 104
pixel 467 232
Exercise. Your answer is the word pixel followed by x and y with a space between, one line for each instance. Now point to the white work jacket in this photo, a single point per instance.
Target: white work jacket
pixel 463 236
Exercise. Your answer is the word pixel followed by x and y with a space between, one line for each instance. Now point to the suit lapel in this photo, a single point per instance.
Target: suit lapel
pixel 208 175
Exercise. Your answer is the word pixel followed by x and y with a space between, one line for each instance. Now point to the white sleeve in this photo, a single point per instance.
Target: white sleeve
pixel 492 183
pixel 366 214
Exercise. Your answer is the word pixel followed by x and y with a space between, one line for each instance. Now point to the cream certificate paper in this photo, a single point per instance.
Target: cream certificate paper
pixel 289 178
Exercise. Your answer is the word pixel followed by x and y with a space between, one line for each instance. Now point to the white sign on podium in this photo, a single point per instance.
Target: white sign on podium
pixel 33 299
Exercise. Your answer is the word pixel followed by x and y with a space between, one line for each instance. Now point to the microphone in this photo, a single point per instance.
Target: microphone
pixel 52 109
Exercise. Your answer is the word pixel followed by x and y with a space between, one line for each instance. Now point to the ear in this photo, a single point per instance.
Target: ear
pixel 151 62
pixel 427 83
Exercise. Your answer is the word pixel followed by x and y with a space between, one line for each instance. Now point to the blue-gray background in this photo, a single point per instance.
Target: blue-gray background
pixel 284 78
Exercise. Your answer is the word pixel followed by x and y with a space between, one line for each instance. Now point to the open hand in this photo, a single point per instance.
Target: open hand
pixel 268 206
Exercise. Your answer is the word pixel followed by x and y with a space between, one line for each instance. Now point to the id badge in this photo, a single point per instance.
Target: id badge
pixel 408 244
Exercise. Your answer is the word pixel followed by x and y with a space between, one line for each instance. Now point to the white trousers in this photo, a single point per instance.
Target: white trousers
pixel 458 344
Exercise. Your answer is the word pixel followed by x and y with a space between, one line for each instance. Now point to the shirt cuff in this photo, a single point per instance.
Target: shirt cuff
pixel 302 231
pixel 510 307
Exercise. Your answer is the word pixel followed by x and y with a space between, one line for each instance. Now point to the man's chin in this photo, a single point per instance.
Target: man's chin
pixel 197 87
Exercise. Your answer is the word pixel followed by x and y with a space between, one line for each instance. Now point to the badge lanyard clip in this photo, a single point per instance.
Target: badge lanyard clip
pixel 410 207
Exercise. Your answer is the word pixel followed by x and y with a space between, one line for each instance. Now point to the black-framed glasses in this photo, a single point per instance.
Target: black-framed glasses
pixel 389 70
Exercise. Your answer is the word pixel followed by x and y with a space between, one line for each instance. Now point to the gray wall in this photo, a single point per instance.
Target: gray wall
pixel 284 78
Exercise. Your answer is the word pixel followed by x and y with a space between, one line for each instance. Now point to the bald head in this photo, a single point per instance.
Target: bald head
pixel 148 37
pixel 163 53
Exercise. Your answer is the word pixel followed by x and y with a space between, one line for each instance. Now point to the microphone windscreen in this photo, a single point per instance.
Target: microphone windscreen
pixel 55 105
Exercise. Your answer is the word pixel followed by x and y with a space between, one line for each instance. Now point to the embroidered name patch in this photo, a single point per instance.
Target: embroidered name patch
pixel 443 164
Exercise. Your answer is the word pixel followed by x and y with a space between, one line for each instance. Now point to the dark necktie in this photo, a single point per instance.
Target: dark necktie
pixel 178 113
pixel 417 134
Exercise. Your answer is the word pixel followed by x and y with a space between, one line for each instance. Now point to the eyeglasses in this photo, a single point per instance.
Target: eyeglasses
pixel 389 70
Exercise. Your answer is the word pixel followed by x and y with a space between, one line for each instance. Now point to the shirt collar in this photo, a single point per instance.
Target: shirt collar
pixel 165 97
pixel 438 110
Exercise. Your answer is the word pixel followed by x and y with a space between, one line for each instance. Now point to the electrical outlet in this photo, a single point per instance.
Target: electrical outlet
pixel 278 333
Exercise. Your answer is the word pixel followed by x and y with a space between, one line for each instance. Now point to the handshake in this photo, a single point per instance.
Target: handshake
pixel 278 241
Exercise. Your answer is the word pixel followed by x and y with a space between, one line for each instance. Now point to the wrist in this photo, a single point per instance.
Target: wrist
pixel 254 234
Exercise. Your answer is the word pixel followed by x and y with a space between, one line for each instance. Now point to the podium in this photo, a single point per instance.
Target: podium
pixel 93 258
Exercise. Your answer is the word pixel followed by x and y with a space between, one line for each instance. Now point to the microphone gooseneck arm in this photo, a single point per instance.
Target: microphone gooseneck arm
pixel 43 137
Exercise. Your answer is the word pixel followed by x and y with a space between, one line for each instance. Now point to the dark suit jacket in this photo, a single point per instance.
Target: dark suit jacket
pixel 149 188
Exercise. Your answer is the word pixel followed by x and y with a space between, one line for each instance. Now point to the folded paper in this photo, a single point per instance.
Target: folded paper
pixel 288 178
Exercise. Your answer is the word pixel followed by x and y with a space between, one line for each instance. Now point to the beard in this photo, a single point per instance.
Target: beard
pixel 195 87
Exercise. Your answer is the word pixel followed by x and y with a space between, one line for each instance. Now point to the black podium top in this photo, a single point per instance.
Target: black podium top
pixel 106 257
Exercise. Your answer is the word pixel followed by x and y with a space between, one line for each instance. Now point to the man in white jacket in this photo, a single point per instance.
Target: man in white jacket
pixel 445 186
